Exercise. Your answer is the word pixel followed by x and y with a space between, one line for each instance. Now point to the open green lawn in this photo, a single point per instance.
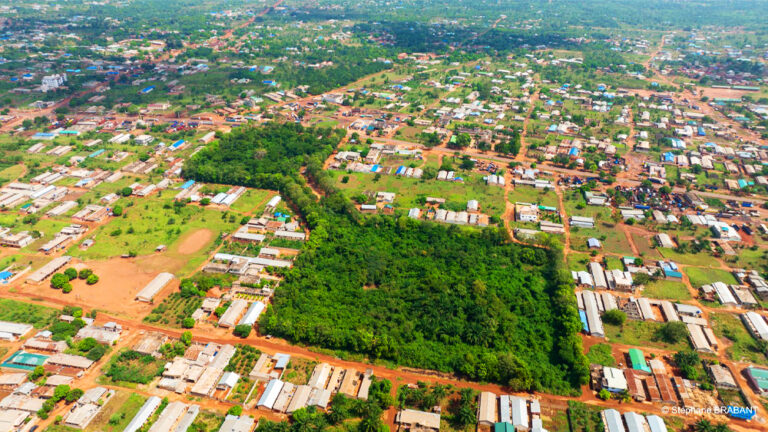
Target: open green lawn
pixel 409 190
pixel 16 311
pixel 750 259
pixel 702 276
pixel 577 261
pixel 612 239
pixel 207 421
pixel 701 259
pixel 601 354
pixel 645 248
pixel 575 205
pixel 11 173
pixel 743 347
pixel 642 334
pixel 122 407
pixel 612 262
pixel 252 201
pixel 532 195
pixel 667 290
pixel 150 222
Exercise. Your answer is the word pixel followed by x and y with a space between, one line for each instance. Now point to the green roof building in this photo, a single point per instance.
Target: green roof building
pixel 758 379
pixel 503 427
pixel 637 358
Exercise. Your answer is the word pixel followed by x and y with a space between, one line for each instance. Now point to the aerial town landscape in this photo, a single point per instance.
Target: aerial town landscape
pixel 416 215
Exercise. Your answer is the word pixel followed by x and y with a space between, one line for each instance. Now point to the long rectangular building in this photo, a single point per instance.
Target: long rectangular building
pixel 47 270
pixel 154 287
pixel 143 415
pixel 593 314
pixel 756 325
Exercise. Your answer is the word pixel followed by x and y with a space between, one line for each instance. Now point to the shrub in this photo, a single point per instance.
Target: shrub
pixel 58 280
pixel 67 288
pixel 235 410
pixel 92 279
pixel 672 332
pixel 84 273
pixel 243 330
pixel 188 323
pixel 615 317
pixel 96 353
pixel 70 273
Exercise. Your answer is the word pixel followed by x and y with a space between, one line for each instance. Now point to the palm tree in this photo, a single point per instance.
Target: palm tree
pixel 703 426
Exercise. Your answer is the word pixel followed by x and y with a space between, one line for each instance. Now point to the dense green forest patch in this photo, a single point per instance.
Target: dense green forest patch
pixel 416 293
pixel 434 297
pixel 260 157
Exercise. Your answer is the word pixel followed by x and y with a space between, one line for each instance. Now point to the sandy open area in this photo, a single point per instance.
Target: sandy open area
pixel 194 242
pixel 120 280
pixel 724 93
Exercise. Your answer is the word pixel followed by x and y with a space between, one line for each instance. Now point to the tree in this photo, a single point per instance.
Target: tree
pixel 672 332
pixel 58 280
pixel 604 394
pixel 205 201
pixel 464 409
pixel 60 392
pixel 242 330
pixel 126 191
pixel 36 373
pixel 66 288
pixel 84 273
pixel 71 273
pixel 188 323
pixel 186 338
pixel 92 279
pixel 117 210
pixel 235 410
pixel 96 353
pixel 74 395
pixel 615 317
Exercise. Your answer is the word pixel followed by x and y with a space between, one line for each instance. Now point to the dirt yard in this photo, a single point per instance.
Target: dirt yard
pixel 194 242
pixel 120 280
pixel 723 93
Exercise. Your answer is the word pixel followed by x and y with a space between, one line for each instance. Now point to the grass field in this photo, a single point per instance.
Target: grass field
pixel 409 190
pixel 644 247
pixel 701 259
pixel 252 201
pixel 15 311
pixel 750 259
pixel 612 239
pixel 702 276
pixel 173 310
pixel 667 290
pixel 584 418
pixel 121 408
pixel 643 334
pixel 743 347
pixel 575 205
pixel 612 262
pixel 299 370
pixel 532 195
pixel 150 222
pixel 11 173
pixel 578 261
pixel 601 354
pixel 207 421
